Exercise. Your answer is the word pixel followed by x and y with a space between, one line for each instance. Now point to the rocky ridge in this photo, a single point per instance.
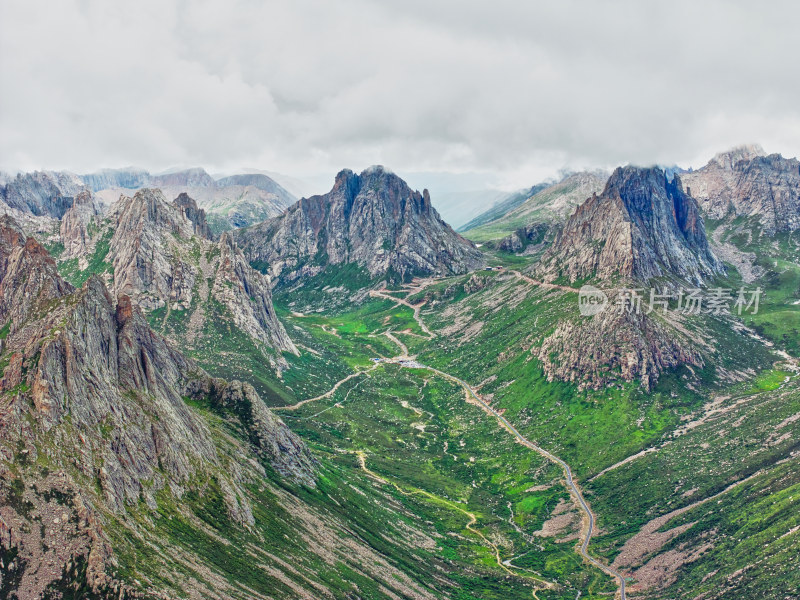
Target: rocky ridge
pixel 41 193
pixel 91 391
pixel 745 182
pixel 74 227
pixel 230 202
pixel 373 219
pixel 162 255
pixel 642 226
pixel 549 204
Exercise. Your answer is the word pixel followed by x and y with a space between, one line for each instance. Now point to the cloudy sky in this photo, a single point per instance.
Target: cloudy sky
pixel 513 89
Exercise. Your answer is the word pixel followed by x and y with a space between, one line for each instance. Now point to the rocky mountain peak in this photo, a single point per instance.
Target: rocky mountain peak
pixel 92 392
pixel 188 207
pixel 28 276
pixel 746 182
pixel 642 226
pixel 729 158
pixel 160 255
pixel 373 219
pixel 75 222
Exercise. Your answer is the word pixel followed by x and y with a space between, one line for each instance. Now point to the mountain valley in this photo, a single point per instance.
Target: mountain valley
pixel 342 397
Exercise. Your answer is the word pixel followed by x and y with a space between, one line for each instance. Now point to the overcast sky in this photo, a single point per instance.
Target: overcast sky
pixel 517 90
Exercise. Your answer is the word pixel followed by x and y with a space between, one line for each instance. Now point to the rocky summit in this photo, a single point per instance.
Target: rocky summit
pixel 745 182
pixel 92 394
pixel 373 220
pixel 641 226
pixel 162 255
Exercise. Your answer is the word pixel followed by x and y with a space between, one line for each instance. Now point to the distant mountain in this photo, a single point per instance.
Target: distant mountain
pixel 745 182
pixel 642 226
pixel 41 193
pixel 504 206
pixel 104 179
pixel 373 220
pixel 550 204
pixel 230 202
pixel 456 208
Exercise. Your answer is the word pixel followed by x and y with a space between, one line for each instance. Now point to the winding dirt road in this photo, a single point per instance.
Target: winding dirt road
pixel 589 518
pixel 572 486
pixel 330 392
pixel 415 307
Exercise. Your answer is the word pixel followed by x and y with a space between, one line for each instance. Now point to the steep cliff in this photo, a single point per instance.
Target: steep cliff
pixel 93 420
pixel 74 227
pixel 373 219
pixel 744 182
pixel 642 226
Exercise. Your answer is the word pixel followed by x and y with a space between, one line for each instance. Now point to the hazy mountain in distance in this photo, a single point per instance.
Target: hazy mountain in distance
pixel 551 204
pixel 230 201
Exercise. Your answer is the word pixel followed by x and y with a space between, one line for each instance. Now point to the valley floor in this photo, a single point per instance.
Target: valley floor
pixel 490 452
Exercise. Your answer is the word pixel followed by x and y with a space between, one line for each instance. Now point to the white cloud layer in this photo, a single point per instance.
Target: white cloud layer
pixel 516 89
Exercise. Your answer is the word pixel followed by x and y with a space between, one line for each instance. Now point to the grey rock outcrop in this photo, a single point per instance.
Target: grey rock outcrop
pixel 534 235
pixel 642 226
pixel 744 182
pixel 75 223
pixel 41 193
pixel 616 346
pixel 28 277
pixel 247 294
pixel 161 254
pixel 197 216
pixel 90 389
pixel 373 219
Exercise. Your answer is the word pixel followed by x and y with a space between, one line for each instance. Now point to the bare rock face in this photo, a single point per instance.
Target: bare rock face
pixel 75 223
pixel 641 226
pixel 42 193
pixel 162 255
pixel 746 182
pixel 247 293
pixel 89 390
pixel 197 216
pixel 373 219
pixel 613 346
pixel 146 266
pixel 28 276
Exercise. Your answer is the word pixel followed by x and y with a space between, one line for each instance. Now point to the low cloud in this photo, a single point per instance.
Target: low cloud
pixel 516 89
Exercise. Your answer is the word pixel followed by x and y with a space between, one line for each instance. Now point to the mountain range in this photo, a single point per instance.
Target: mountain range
pixel 211 389
pixel 230 201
